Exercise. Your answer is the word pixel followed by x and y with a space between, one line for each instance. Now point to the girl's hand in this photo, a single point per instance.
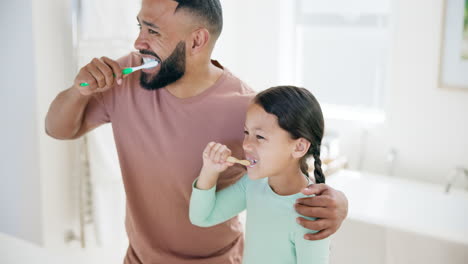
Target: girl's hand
pixel 214 158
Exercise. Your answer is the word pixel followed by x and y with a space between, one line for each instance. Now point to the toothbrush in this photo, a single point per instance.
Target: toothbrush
pixel 148 65
pixel 242 162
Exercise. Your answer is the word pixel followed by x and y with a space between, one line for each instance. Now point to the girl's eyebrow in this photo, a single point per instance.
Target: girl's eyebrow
pixel 255 128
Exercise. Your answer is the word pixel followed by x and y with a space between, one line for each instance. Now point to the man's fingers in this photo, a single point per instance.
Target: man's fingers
pixel 317 212
pixel 107 73
pixel 314 225
pixel 318 236
pixel 322 201
pixel 316 189
pixel 116 69
pixel 96 75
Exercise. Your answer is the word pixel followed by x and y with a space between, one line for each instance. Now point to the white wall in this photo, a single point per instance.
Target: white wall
pixel 249 43
pixel 39 174
pixel 20 197
pixel 54 69
pixel 35 169
pixel 426 125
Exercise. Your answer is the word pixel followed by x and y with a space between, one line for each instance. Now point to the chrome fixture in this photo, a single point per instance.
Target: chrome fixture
pixel 458 172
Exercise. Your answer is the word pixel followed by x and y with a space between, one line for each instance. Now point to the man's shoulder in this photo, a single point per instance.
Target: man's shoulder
pixel 234 83
pixel 239 84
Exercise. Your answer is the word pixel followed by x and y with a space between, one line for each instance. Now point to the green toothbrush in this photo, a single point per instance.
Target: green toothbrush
pixel 150 64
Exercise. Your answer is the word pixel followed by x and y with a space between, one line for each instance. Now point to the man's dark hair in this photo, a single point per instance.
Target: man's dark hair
pixel 209 11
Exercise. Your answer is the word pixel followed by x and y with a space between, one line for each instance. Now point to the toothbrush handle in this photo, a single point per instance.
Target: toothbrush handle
pixel 124 71
pixel 234 160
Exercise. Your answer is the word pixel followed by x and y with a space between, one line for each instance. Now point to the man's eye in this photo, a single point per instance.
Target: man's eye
pixel 152 31
pixel 139 25
pixel 260 137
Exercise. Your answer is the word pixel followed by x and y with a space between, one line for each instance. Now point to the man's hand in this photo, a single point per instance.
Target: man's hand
pixel 100 74
pixel 329 206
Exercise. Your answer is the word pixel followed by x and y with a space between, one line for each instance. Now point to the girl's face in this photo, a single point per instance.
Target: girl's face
pixel 266 145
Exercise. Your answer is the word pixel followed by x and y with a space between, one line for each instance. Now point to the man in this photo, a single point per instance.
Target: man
pixel 162 118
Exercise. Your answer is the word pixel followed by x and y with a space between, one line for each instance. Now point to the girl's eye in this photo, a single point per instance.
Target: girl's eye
pixel 260 137
pixel 246 132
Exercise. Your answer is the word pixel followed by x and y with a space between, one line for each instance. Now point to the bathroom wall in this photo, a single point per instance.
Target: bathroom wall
pixel 424 124
pixel 20 197
pixel 427 125
pixel 38 173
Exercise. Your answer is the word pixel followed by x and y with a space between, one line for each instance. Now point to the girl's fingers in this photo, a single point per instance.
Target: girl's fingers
pixel 216 155
pixel 226 154
pixel 208 149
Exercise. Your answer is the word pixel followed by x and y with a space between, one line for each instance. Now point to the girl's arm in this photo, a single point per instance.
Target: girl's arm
pixel 208 208
pixel 311 251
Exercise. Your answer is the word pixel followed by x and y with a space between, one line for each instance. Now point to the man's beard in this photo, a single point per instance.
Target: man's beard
pixel 172 69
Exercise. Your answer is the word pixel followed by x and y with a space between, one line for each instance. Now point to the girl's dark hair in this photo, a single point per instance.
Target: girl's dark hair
pixel 298 113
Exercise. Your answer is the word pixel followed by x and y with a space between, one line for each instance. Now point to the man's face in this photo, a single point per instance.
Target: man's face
pixel 162 38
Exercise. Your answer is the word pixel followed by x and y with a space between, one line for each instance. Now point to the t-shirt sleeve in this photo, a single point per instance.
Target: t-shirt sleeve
pixel 209 208
pixel 311 251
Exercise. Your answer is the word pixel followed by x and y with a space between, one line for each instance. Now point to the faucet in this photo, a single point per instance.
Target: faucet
pixel 459 171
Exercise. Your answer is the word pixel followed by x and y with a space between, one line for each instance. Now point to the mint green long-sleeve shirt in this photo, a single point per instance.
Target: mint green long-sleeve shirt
pixel 272 234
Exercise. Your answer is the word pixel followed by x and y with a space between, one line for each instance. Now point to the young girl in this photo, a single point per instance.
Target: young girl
pixel 284 126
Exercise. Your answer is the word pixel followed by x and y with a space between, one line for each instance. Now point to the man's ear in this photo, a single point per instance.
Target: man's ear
pixel 301 148
pixel 199 40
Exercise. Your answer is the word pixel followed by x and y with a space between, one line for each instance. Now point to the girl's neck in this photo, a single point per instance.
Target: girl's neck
pixel 289 182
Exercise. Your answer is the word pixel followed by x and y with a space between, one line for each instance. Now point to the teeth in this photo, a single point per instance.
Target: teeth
pixel 146 60
pixel 252 161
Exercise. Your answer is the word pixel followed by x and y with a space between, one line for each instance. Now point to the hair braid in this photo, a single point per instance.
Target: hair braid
pixel 304 166
pixel 318 173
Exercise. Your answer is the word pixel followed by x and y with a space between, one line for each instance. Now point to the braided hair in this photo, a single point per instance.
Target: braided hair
pixel 298 113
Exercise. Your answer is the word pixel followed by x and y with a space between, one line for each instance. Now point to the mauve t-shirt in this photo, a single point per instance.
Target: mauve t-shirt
pixel 160 139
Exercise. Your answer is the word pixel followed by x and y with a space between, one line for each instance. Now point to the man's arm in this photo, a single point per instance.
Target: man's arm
pixel 329 206
pixel 65 117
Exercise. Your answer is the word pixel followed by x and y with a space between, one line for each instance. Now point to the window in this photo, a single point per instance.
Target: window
pixel 342 53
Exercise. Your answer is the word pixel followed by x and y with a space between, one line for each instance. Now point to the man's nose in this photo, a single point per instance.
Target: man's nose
pixel 141 43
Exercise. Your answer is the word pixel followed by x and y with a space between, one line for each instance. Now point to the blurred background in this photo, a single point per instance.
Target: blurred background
pixel 391 75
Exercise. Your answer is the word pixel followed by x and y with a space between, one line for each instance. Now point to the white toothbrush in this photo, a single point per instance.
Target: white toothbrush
pixel 149 64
